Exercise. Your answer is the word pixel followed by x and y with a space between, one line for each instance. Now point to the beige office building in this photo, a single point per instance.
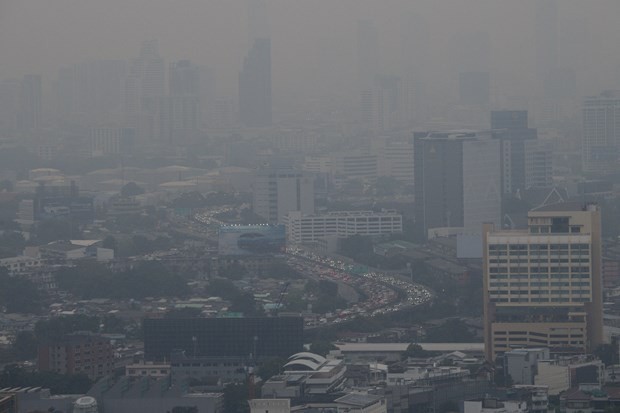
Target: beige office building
pixel 542 286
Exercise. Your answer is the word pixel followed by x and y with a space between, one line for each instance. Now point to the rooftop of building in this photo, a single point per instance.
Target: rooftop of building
pixel 566 207
pixel 145 387
pixel 359 400
pixel 457 134
pixel 401 347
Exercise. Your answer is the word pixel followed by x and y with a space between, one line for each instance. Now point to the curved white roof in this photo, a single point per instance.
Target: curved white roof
pixel 173 168
pixel 178 184
pixel 307 355
pixel 305 363
pixel 42 170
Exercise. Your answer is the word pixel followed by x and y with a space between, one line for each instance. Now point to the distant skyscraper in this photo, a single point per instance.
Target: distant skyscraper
pixel 255 105
pixel 280 191
pixel 390 103
pixel 111 141
pixel 184 106
pixel 184 79
pixel 526 162
pixel 10 95
pixel 92 91
pixel 457 181
pixel 30 111
pixel 152 72
pixel 601 134
pixel 543 285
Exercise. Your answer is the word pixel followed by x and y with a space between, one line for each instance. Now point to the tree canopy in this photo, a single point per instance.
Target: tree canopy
pixel 147 279
pixel 18 295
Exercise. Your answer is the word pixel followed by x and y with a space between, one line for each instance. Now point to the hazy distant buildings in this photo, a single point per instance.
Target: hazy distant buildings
pixel 255 103
pixel 183 106
pixel 91 91
pixel 457 180
pixel 111 141
pixel 601 133
pixel 10 95
pixel 144 104
pixel 30 103
pixel 509 119
pixel 474 88
pixel 394 159
pixel 384 105
pixel 542 285
pixel 526 162
pixel 352 165
pixel 152 71
pixel 276 192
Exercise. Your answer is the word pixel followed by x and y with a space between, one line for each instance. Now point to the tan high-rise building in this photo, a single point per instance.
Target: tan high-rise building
pixel 542 286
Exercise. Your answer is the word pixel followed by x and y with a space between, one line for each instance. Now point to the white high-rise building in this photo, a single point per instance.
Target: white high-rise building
pixel 280 191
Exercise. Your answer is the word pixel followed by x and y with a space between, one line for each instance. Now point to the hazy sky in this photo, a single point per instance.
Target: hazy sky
pixel 313 41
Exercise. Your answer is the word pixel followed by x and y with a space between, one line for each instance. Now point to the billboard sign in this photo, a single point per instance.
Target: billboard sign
pixel 251 239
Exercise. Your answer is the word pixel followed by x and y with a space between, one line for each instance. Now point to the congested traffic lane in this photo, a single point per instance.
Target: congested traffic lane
pixel 384 293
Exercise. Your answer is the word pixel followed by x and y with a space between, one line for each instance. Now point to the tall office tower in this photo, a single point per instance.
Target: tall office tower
pixel 208 95
pixel 546 32
pixel 10 95
pixel 91 91
pixel 64 93
pixel 152 72
pixel 280 191
pixel 601 133
pixel 132 105
pixel 145 106
pixel 184 79
pixel 526 162
pixel 221 114
pixel 184 112
pixel 255 106
pixel 474 88
pixel 542 286
pixel 457 180
pixel 390 103
pixel 30 103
